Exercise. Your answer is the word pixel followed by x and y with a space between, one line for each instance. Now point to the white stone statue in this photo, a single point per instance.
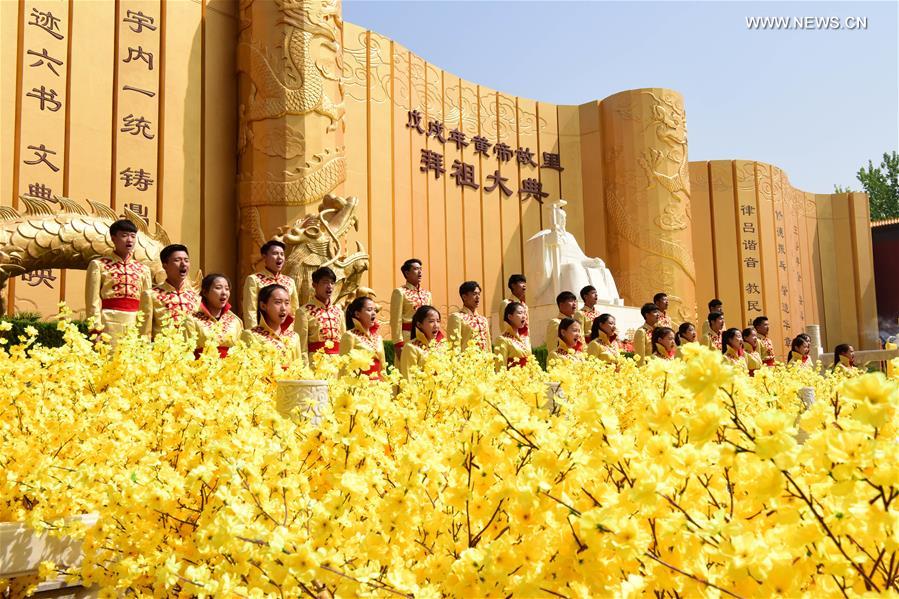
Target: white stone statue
pixel 556 263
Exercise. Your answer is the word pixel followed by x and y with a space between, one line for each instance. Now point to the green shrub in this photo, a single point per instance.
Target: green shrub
pixel 47 333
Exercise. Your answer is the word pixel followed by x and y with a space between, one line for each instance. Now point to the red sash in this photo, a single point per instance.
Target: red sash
pixel 374 371
pixel 314 346
pixel 122 304
pixel 287 322
pixel 768 361
pixel 223 351
pixel 512 362
pixel 407 326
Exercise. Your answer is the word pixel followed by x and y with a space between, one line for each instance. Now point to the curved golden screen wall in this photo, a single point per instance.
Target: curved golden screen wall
pixel 226 121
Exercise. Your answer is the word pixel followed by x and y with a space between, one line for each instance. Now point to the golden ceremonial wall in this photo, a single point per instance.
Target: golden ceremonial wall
pixel 131 103
pixel 226 121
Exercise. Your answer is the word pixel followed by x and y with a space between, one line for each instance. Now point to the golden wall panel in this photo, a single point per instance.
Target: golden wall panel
pixel 356 90
pixel 782 253
pixel 495 271
pixel 727 259
pixel 436 261
pixel 829 281
pixel 526 156
pixel 550 178
pixel 402 164
pixel 596 161
pixel 472 208
pixel 703 241
pixel 506 118
pixel 219 139
pixel 812 268
pixel 848 281
pixel 569 127
pixel 419 179
pixel 864 271
pixel 748 244
pixel 458 175
pixel 808 311
pixel 382 263
pixel 182 149
pixel 138 175
pixel 90 118
pixel 42 150
pixel 794 258
pixel 9 93
pixel 770 275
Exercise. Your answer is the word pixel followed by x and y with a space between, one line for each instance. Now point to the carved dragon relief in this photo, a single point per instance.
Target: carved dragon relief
pixel 646 241
pixel 312 57
pixel 317 240
pixel 669 121
pixel 305 185
pixel 66 237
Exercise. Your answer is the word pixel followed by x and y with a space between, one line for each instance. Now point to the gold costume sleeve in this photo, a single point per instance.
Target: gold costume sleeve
pixel 92 285
pixel 250 293
pixel 641 343
pixel 146 310
pixel 302 328
pixel 396 316
pixel 454 329
pixel 410 358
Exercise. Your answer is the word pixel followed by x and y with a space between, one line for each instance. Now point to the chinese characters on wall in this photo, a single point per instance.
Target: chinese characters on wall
pixel 464 175
pixel 750 258
pixel 137 124
pixel 42 151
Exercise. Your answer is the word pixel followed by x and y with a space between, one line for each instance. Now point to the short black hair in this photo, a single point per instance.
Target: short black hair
pixel 355 306
pixel 272 243
pixel 714 302
pixel 321 272
pixel 265 294
pixel 468 287
pixel 727 336
pixel 659 296
pixel 514 279
pixel 759 320
pixel 747 332
pixel 658 333
pixel 564 324
pixel 647 308
pixel 420 315
pixel 510 309
pixel 209 281
pixel 168 250
pixel 407 265
pixel 565 296
pixel 839 351
pixel 587 290
pixel 682 330
pixel 713 316
pixel 601 319
pixel 123 224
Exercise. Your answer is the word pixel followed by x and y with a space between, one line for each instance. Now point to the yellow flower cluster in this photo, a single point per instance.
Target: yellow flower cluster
pixel 678 478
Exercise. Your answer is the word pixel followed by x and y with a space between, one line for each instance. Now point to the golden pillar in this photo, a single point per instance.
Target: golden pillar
pixel 647 198
pixel 290 134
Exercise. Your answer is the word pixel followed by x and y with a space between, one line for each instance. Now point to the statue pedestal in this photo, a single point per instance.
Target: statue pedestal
pixel 627 319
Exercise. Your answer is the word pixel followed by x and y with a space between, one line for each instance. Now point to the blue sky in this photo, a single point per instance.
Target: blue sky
pixel 818 103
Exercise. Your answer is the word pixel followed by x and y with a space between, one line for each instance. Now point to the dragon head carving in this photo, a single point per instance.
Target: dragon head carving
pixel 317 240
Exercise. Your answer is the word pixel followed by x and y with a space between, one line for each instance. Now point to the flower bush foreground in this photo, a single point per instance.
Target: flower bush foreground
pixel 676 478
